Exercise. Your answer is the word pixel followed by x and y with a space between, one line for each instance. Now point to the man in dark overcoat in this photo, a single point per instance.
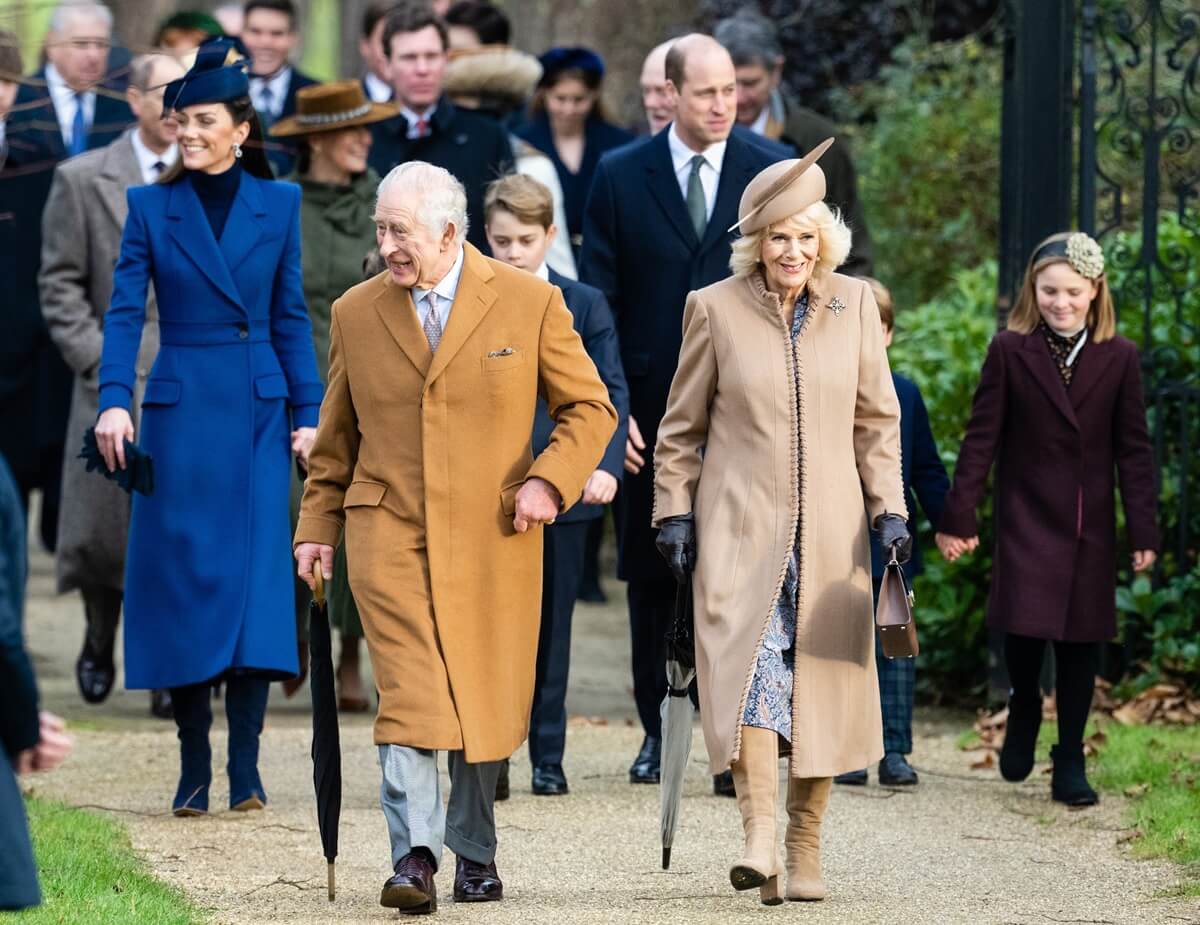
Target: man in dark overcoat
pixel 81 239
pixel 765 109
pixel 656 228
pixel 430 128
pixel 60 111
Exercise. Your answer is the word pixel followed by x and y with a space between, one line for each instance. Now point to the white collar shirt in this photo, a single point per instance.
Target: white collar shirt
pixel 276 87
pixel 412 117
pixel 445 291
pixel 147 159
pixel 710 170
pixel 378 91
pixel 65 102
pixel 543 271
pixel 759 125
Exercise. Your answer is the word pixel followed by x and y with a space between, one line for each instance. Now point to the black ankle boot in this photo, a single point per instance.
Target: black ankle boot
pixel 1069 783
pixel 1020 737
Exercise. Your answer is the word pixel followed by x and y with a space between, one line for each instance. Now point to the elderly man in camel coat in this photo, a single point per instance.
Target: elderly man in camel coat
pixel 423 453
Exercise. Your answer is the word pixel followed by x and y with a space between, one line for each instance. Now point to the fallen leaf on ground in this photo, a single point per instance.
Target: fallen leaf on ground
pixel 1136 790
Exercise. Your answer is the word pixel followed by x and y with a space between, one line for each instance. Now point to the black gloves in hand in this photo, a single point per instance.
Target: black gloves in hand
pixel 893 532
pixel 677 544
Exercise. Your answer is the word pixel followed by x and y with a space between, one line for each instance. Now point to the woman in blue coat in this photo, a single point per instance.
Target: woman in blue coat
pixel 233 394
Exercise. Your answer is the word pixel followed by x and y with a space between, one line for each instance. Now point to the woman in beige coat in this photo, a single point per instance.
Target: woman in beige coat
pixel 780 445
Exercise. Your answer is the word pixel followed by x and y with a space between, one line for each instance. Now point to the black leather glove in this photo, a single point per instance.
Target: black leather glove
pixel 893 532
pixel 676 543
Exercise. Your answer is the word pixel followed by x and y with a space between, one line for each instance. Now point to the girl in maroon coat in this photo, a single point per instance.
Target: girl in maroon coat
pixel 1059 408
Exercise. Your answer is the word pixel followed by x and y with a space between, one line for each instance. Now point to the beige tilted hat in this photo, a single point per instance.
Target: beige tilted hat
pixel 782 190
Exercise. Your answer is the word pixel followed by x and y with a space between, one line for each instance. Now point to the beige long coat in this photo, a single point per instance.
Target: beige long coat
pixel 81 238
pixel 755 465
pixel 421 456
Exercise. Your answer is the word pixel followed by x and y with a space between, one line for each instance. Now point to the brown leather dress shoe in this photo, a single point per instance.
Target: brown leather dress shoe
pixel 411 891
pixel 476 883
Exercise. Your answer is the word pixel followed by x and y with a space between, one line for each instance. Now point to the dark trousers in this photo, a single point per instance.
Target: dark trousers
pixel 1075 666
pixel 245 708
pixel 563 550
pixel 102 610
pixel 651 609
pixel 897 680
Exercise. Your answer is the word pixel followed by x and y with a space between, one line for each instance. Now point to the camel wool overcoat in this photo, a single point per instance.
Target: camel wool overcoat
pixel 420 456
pixel 766 443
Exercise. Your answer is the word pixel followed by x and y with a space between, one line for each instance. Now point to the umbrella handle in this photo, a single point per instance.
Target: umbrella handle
pixel 319 583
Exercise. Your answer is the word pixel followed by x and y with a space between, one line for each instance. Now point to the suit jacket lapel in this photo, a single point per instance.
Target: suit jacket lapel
pixel 188 225
pixel 1090 366
pixel 243 228
pixel 1037 357
pixel 471 302
pixel 735 174
pixel 660 177
pixel 119 171
pixel 398 314
pixel 110 118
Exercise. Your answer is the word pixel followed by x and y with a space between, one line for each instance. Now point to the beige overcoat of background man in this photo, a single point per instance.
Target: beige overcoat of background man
pixel 768 468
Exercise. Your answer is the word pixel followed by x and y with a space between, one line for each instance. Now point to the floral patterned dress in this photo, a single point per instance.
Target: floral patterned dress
pixel 769 704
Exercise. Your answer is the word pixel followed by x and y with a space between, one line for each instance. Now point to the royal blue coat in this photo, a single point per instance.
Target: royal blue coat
pixel 208 576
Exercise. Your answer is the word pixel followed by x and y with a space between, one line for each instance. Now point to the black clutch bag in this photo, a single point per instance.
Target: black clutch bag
pixel 138 474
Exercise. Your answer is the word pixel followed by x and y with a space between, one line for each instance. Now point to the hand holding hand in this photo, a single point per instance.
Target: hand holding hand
pixel 634 445
pixel 54 745
pixel 676 542
pixel 1144 559
pixel 302 442
pixel 893 534
pixel 538 502
pixel 308 553
pixel 601 488
pixel 113 428
pixel 951 547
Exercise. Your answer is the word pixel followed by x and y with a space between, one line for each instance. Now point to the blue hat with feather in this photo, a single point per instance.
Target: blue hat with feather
pixel 218 76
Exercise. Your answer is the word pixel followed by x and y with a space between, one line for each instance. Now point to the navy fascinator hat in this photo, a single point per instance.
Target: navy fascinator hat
pixel 557 60
pixel 218 76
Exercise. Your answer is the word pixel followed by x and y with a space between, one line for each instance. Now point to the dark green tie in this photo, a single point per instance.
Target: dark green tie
pixel 696 206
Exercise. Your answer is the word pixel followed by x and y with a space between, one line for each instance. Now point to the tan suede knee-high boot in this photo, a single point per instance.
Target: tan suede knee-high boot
pixel 756 778
pixel 806 802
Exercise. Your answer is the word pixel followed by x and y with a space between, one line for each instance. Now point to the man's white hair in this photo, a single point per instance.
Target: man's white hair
pixel 79 9
pixel 443 199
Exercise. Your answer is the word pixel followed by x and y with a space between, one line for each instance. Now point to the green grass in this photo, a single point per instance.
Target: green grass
pixel 1158 768
pixel 90 874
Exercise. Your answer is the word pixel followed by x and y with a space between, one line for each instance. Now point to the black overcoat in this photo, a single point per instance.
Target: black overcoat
pixel 1059 454
pixel 640 250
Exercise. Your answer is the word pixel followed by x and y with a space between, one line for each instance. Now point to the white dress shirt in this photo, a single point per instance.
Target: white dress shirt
pixel 147 159
pixel 543 271
pixel 277 88
pixel 65 103
pixel 710 170
pixel 412 118
pixel 445 290
pixel 378 91
pixel 759 125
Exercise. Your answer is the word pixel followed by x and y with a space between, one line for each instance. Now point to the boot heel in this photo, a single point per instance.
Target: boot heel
pixel 771 893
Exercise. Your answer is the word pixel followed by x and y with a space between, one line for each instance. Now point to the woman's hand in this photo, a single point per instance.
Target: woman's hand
pixel 113 428
pixel 676 542
pixel 302 442
pixel 601 488
pixel 1143 559
pixel 951 547
pixel 634 447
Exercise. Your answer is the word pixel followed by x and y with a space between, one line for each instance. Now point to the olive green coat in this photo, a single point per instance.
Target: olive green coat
pixel 337 231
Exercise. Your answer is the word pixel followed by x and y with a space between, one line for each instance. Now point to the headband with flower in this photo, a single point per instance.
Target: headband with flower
pixel 1080 250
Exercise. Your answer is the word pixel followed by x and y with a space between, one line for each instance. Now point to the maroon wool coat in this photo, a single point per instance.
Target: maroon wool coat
pixel 1058 454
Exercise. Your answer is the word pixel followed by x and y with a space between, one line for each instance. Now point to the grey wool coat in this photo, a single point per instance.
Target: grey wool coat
pixel 81 238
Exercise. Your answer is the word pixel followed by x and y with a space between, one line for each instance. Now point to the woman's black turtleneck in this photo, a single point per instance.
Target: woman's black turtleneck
pixel 216 192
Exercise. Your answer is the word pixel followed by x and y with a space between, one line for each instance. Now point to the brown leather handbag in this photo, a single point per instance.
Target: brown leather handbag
pixel 893 614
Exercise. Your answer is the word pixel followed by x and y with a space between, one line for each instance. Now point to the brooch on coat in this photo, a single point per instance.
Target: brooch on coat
pixel 836 305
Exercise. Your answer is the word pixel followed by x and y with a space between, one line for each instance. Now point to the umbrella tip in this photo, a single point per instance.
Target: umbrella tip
pixel 332 885
pixel 666 858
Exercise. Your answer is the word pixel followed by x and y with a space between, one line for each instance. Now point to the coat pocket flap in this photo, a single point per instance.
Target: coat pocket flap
pixel 364 494
pixel 162 392
pixel 272 386
pixel 508 498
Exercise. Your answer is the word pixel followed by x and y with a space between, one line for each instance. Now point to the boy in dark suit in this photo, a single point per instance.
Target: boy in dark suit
pixel 923 473
pixel 519 221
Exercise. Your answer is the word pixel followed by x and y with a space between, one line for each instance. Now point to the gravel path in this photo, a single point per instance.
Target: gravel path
pixel 962 848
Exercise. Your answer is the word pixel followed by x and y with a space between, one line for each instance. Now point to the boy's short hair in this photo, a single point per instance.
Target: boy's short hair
pixel 883 298
pixel 527 200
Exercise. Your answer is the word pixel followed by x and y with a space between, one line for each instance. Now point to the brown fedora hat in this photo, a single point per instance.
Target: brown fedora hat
pixel 332 106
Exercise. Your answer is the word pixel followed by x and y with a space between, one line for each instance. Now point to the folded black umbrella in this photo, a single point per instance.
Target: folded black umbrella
pixel 326 743
pixel 138 474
